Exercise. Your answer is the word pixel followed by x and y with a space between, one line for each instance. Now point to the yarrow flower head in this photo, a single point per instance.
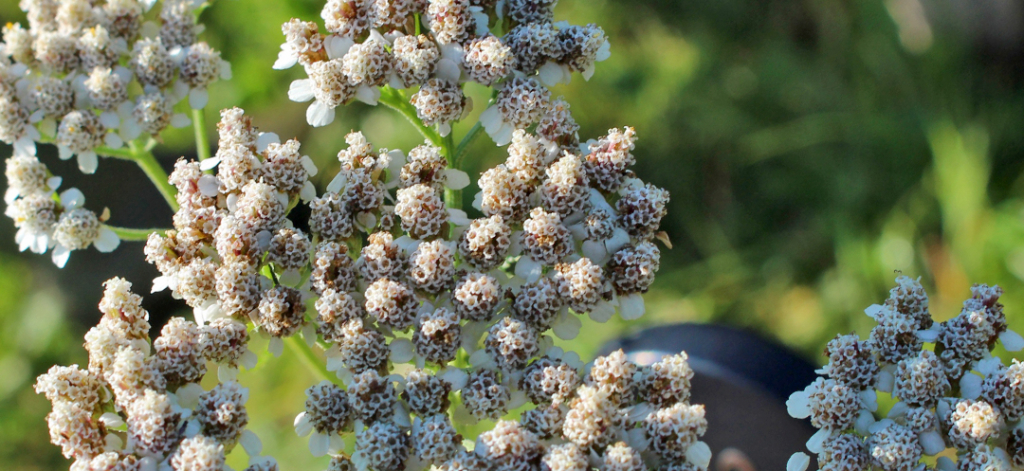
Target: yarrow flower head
pixel 954 395
pixel 428 320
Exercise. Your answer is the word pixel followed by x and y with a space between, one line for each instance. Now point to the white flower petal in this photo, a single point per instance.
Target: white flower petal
pixel 180 120
pixel 456 179
pixel 928 336
pixel 401 350
pixel 286 58
pixel 110 120
pixel 249 359
pixel 54 182
pixel 458 217
pixel 276 346
pixel 160 283
pixel 319 114
pixel 817 441
pixel 944 463
pixel 60 256
pixel 318 444
pixel 456 377
pixel 503 135
pixel 517 399
pixel 198 98
pixel 337 183
pixel 699 455
pixel 873 310
pixel 631 307
pixel 490 119
pixel 88 162
pixel 130 129
pixel 1012 341
pixel 309 166
pixel 301 90
pixel 799 405
pixel 208 185
pixel 225 70
pixel 368 95
pixel 401 415
pixel 448 69
pixel 603 52
pixel 588 71
pixel 603 312
pixel 798 462
pixel 226 374
pixel 528 269
pixel 107 240
pixel 932 442
pixel 864 422
pixel 550 73
pixel 64 152
pixel 113 140
pixel 302 424
pixel 308 192
pixel 251 443
pixel 869 399
pixel 620 238
pixel 444 129
pixel 338 46
pixel 885 381
pixel 111 420
pixel 970 386
pixel 567 326
pixel 72 198
pixel 188 395
pixel 208 164
pixel 308 330
pixel 24 146
pixel 265 139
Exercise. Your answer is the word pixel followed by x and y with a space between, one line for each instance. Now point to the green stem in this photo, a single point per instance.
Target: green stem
pixel 452 198
pixel 312 362
pixel 202 141
pixel 463 147
pixel 130 234
pixel 395 100
pixel 147 162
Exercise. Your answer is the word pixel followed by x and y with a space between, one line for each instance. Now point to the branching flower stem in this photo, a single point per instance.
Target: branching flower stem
pixel 129 234
pixel 141 155
pixel 313 363
pixel 397 101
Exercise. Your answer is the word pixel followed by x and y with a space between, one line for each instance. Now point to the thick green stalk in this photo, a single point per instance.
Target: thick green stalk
pixel 202 141
pixel 309 358
pixel 130 234
pixel 452 198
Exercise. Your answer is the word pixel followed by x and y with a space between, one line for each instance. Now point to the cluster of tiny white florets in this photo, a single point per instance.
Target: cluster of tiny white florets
pixel 954 394
pixel 47 220
pixel 138 405
pixel 373 50
pixel 383 273
pixel 68 78
pixel 89 77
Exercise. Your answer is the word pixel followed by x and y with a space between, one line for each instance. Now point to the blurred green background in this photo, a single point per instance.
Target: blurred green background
pixel 813 148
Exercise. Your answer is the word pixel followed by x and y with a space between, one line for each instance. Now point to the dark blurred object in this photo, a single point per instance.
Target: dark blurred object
pixel 743 381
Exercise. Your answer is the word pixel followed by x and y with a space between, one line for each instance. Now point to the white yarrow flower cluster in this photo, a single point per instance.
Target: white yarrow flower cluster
pixel 410 300
pixel 954 395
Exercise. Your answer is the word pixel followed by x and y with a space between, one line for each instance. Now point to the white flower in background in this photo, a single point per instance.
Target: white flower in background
pixel 78 228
